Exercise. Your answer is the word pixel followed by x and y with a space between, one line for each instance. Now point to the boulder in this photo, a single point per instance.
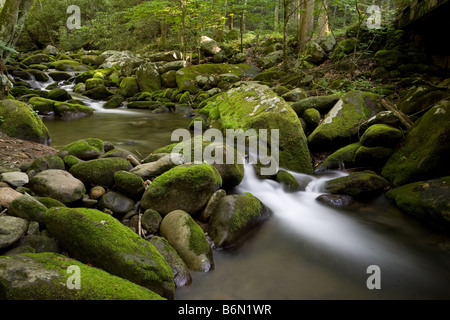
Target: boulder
pixel 84 149
pixel 249 105
pixel 381 135
pixel 42 105
pixel 99 93
pixel 129 184
pixel 169 79
pixel 234 217
pixel 294 95
pixel 314 53
pixel 59 94
pixel 271 59
pixel 128 87
pixel 148 77
pixel 99 172
pixel 323 104
pixel 117 203
pixel 151 220
pixel 18 121
pixel 425 151
pixel 28 208
pixel 336 200
pixel 168 56
pixel 114 102
pixel 188 239
pixel 390 59
pixel 59 185
pixel 426 200
pixel 343 158
pixel 11 230
pixel 212 203
pixel 8 195
pixel 172 66
pixel 181 275
pixel 117 250
pixel 209 46
pixel 36 59
pixel 155 168
pixel 185 187
pixel 340 126
pixel 69 65
pixel 15 179
pixel 44 276
pixel 359 185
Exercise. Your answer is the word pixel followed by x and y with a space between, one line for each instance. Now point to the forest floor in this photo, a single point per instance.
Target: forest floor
pixel 15 152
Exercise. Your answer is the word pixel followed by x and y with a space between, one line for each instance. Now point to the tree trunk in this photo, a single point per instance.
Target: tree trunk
pixel 276 14
pixel 285 22
pixel 323 27
pixel 307 24
pixel 12 20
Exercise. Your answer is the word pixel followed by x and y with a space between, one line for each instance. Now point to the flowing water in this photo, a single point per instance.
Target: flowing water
pixel 307 250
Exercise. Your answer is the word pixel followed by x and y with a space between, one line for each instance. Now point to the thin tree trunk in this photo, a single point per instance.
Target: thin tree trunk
pixel 323 26
pixel 285 22
pixel 307 24
pixel 276 15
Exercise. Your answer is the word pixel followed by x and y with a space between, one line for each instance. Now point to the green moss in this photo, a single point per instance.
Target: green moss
pixel 84 149
pixel 96 284
pixel 197 239
pixel 41 105
pixel 193 174
pixel 70 65
pixel 99 171
pixel 288 181
pixel 20 122
pixel 50 202
pixel 70 161
pixel 92 236
pixel 197 119
pixel 340 159
pixel 247 207
pixel 129 87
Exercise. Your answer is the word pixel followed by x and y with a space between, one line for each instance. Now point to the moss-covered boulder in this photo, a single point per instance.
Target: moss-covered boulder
pixel 94 237
pixel 148 77
pixel 99 93
pixel 114 102
pixel 43 163
pixel 271 59
pixel 343 158
pixel 359 185
pixel 129 184
pixel 426 200
pixel 381 135
pixel 59 185
pixel 374 157
pixel 59 94
pixel 46 276
pixel 99 172
pixel 234 217
pixel 287 181
pixel 169 79
pixel 72 111
pixel 128 87
pixel 250 105
pixel 36 59
pixel 312 118
pixel 181 275
pixel 19 121
pixel 42 105
pixel 189 77
pixel 185 187
pixel 421 98
pixel 84 149
pixel 340 126
pixel 28 208
pixel 69 65
pixel 188 239
pixel 389 58
pixel 425 151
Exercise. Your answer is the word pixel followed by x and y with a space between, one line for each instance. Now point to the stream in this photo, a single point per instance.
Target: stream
pixel 307 250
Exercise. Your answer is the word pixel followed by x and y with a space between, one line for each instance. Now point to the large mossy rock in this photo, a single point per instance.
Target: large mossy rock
pixel 427 200
pixel 84 149
pixel 96 238
pixel 69 65
pixel 28 208
pixel 359 185
pixel 249 105
pixel 234 217
pixel 19 121
pixel 381 135
pixel 45 276
pixel 128 87
pixel 59 185
pixel 425 153
pixel 340 126
pixel 188 239
pixel 99 172
pixel 185 187
pixel 148 77
pixel 188 78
